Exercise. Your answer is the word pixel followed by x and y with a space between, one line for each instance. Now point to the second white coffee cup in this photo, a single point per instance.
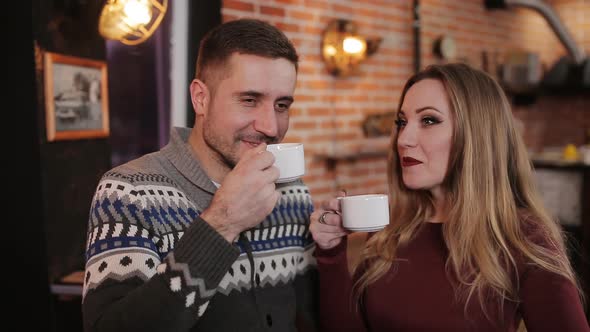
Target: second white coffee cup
pixel 289 159
pixel 364 213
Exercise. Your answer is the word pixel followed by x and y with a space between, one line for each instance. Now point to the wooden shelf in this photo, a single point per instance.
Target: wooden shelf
pixel 365 148
pixel 352 155
pixel 63 289
pixel 560 164
pixel 70 284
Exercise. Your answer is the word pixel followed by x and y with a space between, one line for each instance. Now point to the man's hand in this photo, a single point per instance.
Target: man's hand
pixel 246 196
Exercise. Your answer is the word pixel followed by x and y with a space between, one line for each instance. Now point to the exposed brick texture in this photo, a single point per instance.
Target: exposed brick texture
pixel 328 111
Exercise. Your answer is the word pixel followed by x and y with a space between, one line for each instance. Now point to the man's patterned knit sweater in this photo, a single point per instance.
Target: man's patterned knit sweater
pixel 153 265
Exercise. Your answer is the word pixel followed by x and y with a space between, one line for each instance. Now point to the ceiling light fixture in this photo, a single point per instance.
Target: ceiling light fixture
pixel 131 21
pixel 343 49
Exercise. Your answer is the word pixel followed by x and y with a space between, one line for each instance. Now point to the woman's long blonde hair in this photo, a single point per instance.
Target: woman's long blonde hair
pixel 492 203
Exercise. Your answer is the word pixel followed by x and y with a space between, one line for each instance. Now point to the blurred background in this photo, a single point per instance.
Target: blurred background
pixel 344 100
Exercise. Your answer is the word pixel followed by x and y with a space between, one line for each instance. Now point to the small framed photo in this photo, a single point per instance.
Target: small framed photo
pixel 76 97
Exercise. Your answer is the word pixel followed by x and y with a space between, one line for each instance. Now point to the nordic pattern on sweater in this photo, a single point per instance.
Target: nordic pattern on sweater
pixel 136 221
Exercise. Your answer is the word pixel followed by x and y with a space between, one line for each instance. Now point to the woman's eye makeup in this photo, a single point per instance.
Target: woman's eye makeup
pixel 400 123
pixel 425 120
pixel 430 120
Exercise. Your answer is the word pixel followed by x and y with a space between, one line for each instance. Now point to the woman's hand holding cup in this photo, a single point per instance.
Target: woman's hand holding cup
pixel 326 223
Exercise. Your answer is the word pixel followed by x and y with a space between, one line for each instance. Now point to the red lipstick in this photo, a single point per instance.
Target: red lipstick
pixel 408 161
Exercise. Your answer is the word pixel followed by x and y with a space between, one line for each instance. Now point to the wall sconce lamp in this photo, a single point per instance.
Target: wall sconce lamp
pixel 131 21
pixel 343 49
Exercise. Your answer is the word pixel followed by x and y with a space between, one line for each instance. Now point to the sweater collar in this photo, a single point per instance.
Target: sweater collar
pixel 179 152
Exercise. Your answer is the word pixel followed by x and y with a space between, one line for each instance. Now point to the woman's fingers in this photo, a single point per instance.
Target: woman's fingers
pixel 326 223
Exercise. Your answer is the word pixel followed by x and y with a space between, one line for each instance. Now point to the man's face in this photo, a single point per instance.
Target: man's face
pixel 249 105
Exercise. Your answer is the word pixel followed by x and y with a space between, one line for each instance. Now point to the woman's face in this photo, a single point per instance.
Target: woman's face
pixel 425 131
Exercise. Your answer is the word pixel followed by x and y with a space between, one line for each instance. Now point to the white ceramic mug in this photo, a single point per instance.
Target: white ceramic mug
pixel 364 213
pixel 289 159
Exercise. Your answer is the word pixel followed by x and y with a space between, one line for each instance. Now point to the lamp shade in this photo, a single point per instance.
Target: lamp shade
pixel 131 21
pixel 343 49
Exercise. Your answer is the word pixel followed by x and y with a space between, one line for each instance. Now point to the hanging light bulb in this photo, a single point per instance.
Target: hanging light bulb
pixel 137 12
pixel 354 45
pixel 330 50
pixel 131 21
pixel 343 49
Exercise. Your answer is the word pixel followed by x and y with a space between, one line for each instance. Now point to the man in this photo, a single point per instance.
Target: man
pixel 197 236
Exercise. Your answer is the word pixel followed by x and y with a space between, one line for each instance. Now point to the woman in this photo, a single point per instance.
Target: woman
pixel 470 246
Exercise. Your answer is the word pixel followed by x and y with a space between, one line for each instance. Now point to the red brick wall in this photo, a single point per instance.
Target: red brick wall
pixel 559 120
pixel 328 111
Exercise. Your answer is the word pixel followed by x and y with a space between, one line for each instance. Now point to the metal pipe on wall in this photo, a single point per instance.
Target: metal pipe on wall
pixel 416 28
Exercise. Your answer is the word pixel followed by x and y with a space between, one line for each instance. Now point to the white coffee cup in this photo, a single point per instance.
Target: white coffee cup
pixel 364 213
pixel 289 159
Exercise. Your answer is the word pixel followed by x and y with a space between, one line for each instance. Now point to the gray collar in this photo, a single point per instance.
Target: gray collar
pixel 184 159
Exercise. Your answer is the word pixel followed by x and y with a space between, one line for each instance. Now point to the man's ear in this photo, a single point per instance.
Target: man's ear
pixel 199 96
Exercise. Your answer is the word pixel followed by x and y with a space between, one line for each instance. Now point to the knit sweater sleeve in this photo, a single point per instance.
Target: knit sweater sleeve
pixel 338 310
pixel 133 280
pixel 306 292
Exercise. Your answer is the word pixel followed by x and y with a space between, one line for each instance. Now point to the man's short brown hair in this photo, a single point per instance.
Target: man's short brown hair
pixel 244 36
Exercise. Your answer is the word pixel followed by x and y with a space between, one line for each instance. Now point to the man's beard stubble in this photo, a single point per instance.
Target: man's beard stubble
pixel 224 151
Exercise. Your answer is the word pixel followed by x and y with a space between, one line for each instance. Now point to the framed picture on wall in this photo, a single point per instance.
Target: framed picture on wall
pixel 76 97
